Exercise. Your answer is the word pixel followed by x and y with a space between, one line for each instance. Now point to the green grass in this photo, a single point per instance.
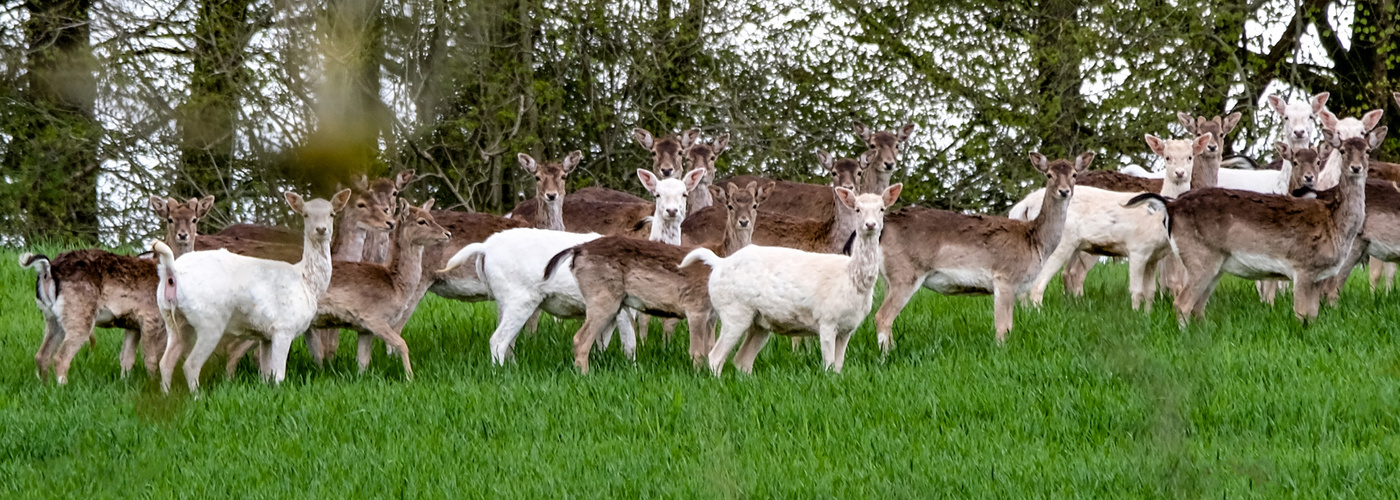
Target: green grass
pixel 1087 399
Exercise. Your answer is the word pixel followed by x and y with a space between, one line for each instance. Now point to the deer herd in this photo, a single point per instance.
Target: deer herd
pixel 745 256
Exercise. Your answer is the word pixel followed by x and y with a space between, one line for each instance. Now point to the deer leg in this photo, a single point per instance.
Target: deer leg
pixel 643 327
pixel 1137 277
pixel 128 355
pixel 512 317
pixel 389 336
pixel 603 308
pixel 668 329
pixel 78 317
pixel 1052 265
pixel 732 329
pixel 276 355
pixel 842 340
pixel 235 351
pixel 1077 272
pixel 177 340
pixel 532 325
pixel 364 349
pixel 1388 272
pixel 1305 297
pixel 826 334
pixel 748 351
pixel 897 295
pixel 696 321
pixel 1149 282
pixel 1004 307
pixel 152 345
pixel 53 336
pixel 199 352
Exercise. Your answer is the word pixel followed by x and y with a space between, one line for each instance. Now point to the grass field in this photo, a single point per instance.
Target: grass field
pixel 1087 399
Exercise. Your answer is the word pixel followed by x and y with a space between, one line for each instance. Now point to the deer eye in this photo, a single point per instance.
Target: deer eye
pixel 170 220
pixel 361 205
pixel 422 222
pixel 386 210
pixel 394 193
pixel 731 207
pixel 194 220
pixel 537 177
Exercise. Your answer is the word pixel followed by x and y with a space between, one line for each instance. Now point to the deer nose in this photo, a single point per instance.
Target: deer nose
pixel 666 172
pixel 1211 147
pixel 743 223
pixel 870 224
pixel 1308 178
pixel 1300 133
pixel 321 230
pixel 447 234
pixel 1064 193
pixel 551 196
pixel 1181 175
pixel 183 236
pixel 391 224
pixel 671 212
pixel 889 165
pixel 1356 169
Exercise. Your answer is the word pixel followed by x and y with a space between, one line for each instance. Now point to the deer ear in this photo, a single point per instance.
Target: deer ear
pixel 1372 118
pixel 1231 120
pixel 1331 138
pixel 643 137
pixel 648 179
pixel 867 158
pixel 764 191
pixel 527 162
pixel 689 138
pixel 1039 162
pixel 1082 162
pixel 824 158
pixel 158 205
pixel 1376 137
pixel 1396 96
pixel 402 209
pixel 428 205
pixel 694 177
pixel 1156 144
pixel 1319 102
pixel 721 144
pixel 718 193
pixel 1201 142
pixel 1283 151
pixel 1277 103
pixel 404 178
pixel 575 157
pixel 339 201
pixel 906 131
pixel 862 131
pixel 847 197
pixel 294 200
pixel 891 194
pixel 205 205
pixel 362 183
pixel 1186 121
pixel 1329 120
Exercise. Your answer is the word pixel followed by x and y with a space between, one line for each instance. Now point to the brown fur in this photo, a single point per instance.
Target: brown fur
pixel 1115 181
pixel 665 152
pixel 1382 226
pixel 466 228
pixel 1313 236
pixel 796 201
pixel 613 271
pixel 89 282
pixel 181 220
pixel 885 146
pixel 550 186
pixel 1206 169
pixel 920 243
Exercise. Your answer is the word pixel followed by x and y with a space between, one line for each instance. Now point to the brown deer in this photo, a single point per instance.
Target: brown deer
pixel 960 254
pixel 1259 236
pixel 614 271
pixel 549 188
pixel 886 145
pixel 702 155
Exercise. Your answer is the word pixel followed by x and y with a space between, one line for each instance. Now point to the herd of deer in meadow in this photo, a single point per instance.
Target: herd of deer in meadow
pixel 755 256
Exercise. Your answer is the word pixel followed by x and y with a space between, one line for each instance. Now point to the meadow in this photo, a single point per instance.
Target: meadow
pixel 1087 399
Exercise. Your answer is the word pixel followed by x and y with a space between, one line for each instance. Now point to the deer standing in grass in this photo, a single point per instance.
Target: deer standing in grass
pixel 1258 236
pixel 960 254
pixel 614 271
pixel 760 290
pixel 205 296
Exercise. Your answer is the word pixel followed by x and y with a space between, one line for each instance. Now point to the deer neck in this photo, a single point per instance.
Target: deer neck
pixel 1205 171
pixel 876 182
pixel 376 247
pixel 667 231
pixel 735 238
pixel 1173 189
pixel 1051 223
pixel 315 264
pixel 349 243
pixel 1285 177
pixel 405 262
pixel 864 266
pixel 551 215
pixel 1350 213
pixel 700 197
pixel 842 225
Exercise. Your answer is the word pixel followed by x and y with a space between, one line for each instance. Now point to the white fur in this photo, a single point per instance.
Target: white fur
pixel 671 197
pixel 512 264
pixel 1097 218
pixel 760 290
pixel 219 293
pixel 1259 181
pixel 1345 128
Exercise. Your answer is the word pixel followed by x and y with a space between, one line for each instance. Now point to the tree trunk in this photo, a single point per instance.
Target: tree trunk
pixel 1056 58
pixel 206 120
pixel 52 163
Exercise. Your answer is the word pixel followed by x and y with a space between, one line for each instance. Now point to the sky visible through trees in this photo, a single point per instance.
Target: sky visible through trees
pixel 103 104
